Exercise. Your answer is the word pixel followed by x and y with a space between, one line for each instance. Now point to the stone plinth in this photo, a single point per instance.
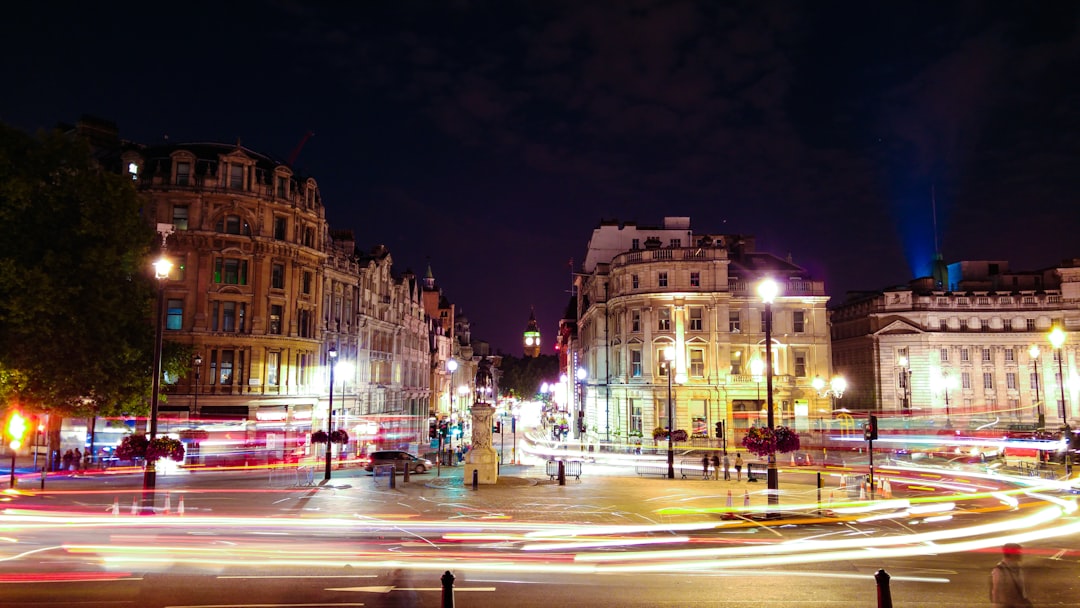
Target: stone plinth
pixel 482 456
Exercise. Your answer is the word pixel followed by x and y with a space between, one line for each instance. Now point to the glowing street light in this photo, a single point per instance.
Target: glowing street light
pixel 1057 339
pixel 905 384
pixel 331 356
pixel 162 268
pixel 669 358
pixel 768 290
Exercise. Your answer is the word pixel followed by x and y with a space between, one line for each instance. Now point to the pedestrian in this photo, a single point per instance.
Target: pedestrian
pixel 716 467
pixel 1007 588
pixel 727 467
pixel 738 467
pixel 76 460
pixel 705 466
pixel 67 460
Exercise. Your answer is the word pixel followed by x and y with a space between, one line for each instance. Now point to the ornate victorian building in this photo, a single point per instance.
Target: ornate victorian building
pixel 645 289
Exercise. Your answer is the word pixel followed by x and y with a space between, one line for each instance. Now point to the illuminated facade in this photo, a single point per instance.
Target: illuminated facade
pixel 642 289
pixel 972 334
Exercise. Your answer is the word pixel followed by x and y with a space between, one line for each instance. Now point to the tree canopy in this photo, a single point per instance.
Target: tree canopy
pixel 76 298
pixel 523 375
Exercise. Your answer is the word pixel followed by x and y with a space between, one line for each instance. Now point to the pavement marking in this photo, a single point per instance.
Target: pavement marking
pixel 389 588
pixel 300 576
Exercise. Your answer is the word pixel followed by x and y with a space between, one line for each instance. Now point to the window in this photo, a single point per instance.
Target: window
pixel 734 322
pixel 663 319
pixel 1010 380
pixel 228 316
pixel 965 380
pixel 230 271
pixel 988 380
pixel 180 217
pixel 800 365
pixel 1010 354
pixel 675 242
pixel 964 355
pixel 236 177
pixel 696 313
pixel 635 362
pixel 231 224
pixel 307 282
pixel 280 224
pixel 944 354
pixel 275 318
pixel 183 173
pixel 635 244
pixel 1029 324
pixel 282 186
pixel 635 320
pixel 226 377
pixel 736 363
pixel 986 355
pixel 277 276
pixel 662 279
pixel 661 364
pixel 695 279
pixel 634 282
pixel 984 324
pixel 697 362
pixel 635 415
pixel 272 368
pixel 309 237
pixel 798 321
pixel 174 315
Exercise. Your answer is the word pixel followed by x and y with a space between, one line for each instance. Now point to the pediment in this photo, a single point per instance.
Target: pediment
pixel 634 341
pixel 899 326
pixel 697 340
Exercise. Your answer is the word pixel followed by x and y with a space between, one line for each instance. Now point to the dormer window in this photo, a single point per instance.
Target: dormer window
pixel 183 173
pixel 236 177
pixel 282 186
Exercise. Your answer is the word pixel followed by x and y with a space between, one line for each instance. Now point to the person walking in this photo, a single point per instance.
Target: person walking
pixel 705 466
pixel 738 467
pixel 1007 587
pixel 727 467
pixel 715 467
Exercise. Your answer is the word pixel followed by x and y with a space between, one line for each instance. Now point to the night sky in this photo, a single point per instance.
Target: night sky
pixel 489 138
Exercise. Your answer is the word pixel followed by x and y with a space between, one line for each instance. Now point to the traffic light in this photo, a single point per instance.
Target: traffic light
pixel 719 430
pixel 496 427
pixel 870 430
pixel 16 428
pixel 444 428
pixel 433 429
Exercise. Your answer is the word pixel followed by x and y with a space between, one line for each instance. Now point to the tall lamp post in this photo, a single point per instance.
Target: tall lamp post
pixel 451 366
pixel 162 268
pixel 943 383
pixel 1034 353
pixel 331 356
pixel 768 290
pixel 198 378
pixel 905 384
pixel 1057 339
pixel 669 357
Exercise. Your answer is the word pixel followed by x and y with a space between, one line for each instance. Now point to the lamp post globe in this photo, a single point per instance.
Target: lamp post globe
pixel 768 290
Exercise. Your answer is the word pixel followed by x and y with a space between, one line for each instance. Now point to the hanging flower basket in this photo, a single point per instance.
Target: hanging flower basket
pixel 660 433
pixel 138 446
pixel 339 436
pixel 318 437
pixel 761 441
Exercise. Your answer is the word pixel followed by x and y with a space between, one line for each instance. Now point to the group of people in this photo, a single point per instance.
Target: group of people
pixel 719 466
pixel 72 460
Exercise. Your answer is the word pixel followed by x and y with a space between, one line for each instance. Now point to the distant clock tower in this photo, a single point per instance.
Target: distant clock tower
pixel 532 337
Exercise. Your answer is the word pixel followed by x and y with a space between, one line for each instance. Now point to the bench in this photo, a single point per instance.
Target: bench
pixel 571 468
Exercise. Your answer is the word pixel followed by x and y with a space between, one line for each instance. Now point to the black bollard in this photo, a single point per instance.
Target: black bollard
pixel 562 473
pixel 447 590
pixel 393 478
pixel 475 478
pixel 884 596
pixel 406 474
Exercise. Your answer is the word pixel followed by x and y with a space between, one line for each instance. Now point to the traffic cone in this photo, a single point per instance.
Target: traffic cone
pixel 746 499
pixel 793 459
pixel 180 507
pixel 843 482
pixel 116 506
pixel 888 489
pixel 729 499
pixel 862 492
pixel 134 505
pixel 168 503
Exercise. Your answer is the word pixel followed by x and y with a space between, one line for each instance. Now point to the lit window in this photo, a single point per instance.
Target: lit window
pixel 174 318
pixel 133 169
pixel 662 279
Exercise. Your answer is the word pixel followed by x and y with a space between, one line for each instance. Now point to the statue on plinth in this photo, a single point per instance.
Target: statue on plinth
pixel 482 456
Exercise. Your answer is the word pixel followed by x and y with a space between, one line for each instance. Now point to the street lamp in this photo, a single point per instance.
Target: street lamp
pixel 451 366
pixel 331 356
pixel 162 268
pixel 669 357
pixel 198 377
pixel 1034 353
pixel 905 384
pixel 1057 339
pixel 768 290
pixel 943 382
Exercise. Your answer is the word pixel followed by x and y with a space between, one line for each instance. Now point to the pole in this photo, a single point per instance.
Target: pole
pixel 773 478
pixel 1064 419
pixel 871 449
pixel 1038 399
pixel 12 484
pixel 150 473
pixel 329 420
pixel 670 429
pixel 948 416
pixel 447 590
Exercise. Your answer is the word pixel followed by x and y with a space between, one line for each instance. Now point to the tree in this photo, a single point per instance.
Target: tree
pixel 523 375
pixel 76 295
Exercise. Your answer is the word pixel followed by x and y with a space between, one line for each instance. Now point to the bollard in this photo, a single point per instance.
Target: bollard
pixel 884 596
pixel 562 473
pixel 393 478
pixel 447 590
pixel 407 473
pixel 43 474
pixel 475 478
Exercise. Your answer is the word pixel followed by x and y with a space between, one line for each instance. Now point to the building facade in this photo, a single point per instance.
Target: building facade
pixel 643 290
pixel 958 349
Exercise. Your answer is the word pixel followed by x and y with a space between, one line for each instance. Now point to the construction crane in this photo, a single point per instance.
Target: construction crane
pixel 299 146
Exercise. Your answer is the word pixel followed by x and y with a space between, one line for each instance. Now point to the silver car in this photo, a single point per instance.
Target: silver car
pixel 400 459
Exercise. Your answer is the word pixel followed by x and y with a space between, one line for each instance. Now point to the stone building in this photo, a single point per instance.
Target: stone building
pixel 958 348
pixel 644 289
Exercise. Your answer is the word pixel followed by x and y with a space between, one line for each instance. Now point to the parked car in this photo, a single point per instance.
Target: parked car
pixel 400 459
